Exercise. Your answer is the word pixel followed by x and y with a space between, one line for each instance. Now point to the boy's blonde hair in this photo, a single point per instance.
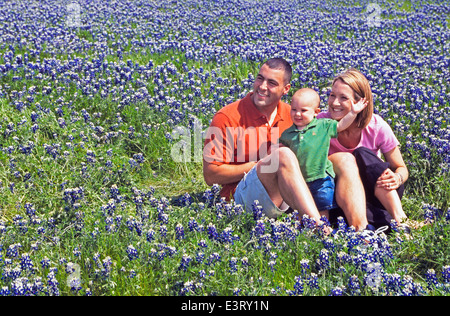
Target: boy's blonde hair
pixel 361 89
pixel 309 93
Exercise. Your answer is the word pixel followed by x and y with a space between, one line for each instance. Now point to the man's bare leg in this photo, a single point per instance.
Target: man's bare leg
pixel 286 183
pixel 350 195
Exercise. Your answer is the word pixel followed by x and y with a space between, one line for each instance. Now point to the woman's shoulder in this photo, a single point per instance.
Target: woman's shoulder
pixel 378 123
pixel 324 114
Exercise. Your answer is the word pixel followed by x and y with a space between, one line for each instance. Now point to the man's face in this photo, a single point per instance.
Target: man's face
pixel 269 87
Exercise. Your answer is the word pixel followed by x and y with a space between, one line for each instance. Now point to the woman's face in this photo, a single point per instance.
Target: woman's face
pixel 340 100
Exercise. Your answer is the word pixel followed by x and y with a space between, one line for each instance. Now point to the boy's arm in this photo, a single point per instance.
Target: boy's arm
pixel 348 119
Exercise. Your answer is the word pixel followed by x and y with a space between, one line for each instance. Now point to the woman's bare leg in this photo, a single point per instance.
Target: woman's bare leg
pixel 391 202
pixel 350 195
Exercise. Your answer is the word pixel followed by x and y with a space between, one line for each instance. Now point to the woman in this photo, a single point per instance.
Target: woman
pixel 367 138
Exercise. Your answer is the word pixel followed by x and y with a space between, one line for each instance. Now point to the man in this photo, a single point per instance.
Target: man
pixel 241 153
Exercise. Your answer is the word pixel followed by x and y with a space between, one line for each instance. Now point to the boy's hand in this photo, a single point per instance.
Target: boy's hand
pixel 359 106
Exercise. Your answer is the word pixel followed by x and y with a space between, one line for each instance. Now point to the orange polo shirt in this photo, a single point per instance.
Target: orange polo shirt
pixel 239 133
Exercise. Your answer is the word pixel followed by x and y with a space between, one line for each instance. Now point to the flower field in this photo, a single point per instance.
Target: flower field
pixel 95 96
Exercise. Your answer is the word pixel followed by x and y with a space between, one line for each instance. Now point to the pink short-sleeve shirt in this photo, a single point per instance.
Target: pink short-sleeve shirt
pixel 377 136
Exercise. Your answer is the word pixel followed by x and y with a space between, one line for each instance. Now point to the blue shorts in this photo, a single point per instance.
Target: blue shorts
pixel 250 189
pixel 322 191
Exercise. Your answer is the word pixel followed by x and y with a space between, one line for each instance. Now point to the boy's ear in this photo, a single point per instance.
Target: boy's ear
pixel 317 111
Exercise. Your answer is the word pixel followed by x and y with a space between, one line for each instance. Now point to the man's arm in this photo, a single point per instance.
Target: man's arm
pixel 225 173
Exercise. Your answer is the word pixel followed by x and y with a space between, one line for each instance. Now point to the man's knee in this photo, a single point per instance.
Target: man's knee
pixel 281 158
pixel 287 159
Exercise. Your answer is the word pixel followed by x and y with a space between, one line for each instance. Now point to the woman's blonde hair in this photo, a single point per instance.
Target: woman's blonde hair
pixel 361 89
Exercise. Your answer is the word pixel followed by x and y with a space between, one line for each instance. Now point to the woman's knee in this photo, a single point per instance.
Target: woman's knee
pixel 344 163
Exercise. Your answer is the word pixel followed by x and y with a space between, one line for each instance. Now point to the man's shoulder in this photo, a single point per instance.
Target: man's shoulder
pixel 237 106
pixel 231 108
pixel 285 106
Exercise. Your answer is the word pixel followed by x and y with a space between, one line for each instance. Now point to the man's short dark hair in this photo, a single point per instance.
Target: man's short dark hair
pixel 281 63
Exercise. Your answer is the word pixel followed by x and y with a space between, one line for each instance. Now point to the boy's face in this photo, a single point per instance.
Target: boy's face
pixel 302 113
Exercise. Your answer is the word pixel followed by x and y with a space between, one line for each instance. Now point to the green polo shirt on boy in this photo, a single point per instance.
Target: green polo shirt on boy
pixel 311 146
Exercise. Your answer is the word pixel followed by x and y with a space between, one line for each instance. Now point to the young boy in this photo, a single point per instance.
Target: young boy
pixel 309 138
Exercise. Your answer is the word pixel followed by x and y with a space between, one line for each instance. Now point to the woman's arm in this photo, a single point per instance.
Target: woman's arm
pixel 392 178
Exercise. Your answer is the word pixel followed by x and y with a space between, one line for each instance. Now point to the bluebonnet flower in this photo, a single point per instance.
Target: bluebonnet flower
pixel 432 280
pixel 4 291
pixel 313 281
pixel 45 263
pixel 298 286
pixel 73 195
pixel 323 262
pixel 337 291
pixel 236 291
pixel 107 265
pixel 189 287
pixel 185 260
pixel 272 264
pixel 199 257
pixel 304 264
pixel 132 273
pixel 429 212
pixel 259 228
pixel 13 250
pixel 150 235
pixel 76 251
pixel 202 243
pixel 410 288
pixel 208 197
pixel 257 210
pixel 233 264
pixel 354 287
pixel 26 263
pixel 132 252
pixel 308 222
pixel 213 259
pixel 446 274
pixel 52 284
pixel 227 236
pixel 163 231
pixel 212 232
pixel 20 287
pixel 193 225
pixel 186 200
pixel 394 283
pixel 342 225
pixel 179 231
pixel 114 191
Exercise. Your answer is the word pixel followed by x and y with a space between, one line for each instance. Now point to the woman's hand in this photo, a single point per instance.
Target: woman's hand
pixel 389 180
